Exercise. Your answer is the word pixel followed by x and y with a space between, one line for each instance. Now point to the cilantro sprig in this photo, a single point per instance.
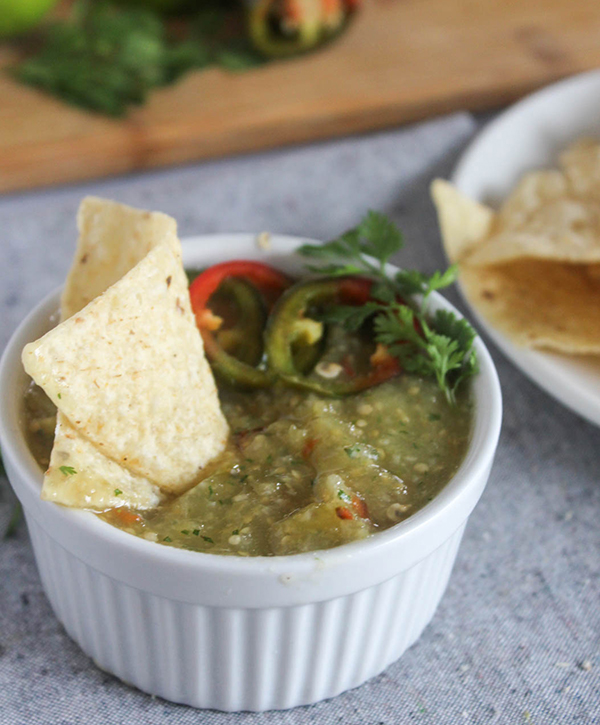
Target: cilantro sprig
pixel 439 346
pixel 108 58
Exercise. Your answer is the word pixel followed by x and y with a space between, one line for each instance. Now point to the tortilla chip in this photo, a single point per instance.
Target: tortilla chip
pixel 113 238
pixel 581 165
pixel 539 303
pixel 566 230
pixel 80 476
pixel 593 271
pixel 463 222
pixel 129 372
pixel 535 190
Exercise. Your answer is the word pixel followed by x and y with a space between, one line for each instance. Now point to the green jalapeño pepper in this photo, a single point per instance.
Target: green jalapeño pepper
pixel 236 348
pixel 230 302
pixel 290 329
pixel 280 28
pixel 244 312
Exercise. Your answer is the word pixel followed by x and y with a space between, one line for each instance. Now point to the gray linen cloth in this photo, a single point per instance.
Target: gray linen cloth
pixel 516 639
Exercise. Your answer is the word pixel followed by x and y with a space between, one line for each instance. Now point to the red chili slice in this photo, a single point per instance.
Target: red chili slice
pixel 269 281
pixel 355 290
pixel 309 447
pixel 360 507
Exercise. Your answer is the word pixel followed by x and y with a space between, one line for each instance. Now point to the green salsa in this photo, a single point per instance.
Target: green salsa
pixel 301 472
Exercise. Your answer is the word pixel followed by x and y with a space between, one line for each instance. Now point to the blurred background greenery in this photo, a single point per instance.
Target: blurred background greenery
pixel 108 55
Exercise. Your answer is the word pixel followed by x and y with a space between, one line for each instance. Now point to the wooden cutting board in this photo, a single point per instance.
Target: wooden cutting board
pixel 401 60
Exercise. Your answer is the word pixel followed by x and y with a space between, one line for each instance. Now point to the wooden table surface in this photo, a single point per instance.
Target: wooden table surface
pixel 401 60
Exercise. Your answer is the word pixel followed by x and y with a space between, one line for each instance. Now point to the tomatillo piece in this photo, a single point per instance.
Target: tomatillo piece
pixel 235 349
pixel 289 327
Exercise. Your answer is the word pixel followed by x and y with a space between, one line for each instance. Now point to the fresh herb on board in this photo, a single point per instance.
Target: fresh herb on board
pixel 107 58
pixel 439 346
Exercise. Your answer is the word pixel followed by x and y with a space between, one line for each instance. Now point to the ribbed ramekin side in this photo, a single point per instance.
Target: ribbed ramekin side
pixel 441 564
pixel 356 637
pixel 240 659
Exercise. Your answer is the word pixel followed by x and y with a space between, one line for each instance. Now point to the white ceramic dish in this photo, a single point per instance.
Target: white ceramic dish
pixel 527 136
pixel 232 633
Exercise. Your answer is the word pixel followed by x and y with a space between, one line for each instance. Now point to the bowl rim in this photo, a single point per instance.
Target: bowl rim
pixel 474 468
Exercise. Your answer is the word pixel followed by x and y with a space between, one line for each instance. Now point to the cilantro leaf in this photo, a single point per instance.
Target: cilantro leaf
pixel 375 237
pixel 349 316
pixel 383 292
pixel 67 470
pixel 345 246
pixel 336 270
pixel 439 280
pixel 412 282
pixel 463 334
pixel 380 237
pixel 446 323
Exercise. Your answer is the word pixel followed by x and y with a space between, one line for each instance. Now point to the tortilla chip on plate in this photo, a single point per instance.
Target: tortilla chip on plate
pixel 529 281
pixel 129 373
pixel 580 163
pixel 538 303
pixel 533 191
pixel 564 230
pixel 463 221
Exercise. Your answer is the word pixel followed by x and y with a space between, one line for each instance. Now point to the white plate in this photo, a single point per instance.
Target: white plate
pixel 531 135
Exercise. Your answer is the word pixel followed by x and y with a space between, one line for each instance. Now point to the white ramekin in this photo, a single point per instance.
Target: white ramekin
pixel 242 633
